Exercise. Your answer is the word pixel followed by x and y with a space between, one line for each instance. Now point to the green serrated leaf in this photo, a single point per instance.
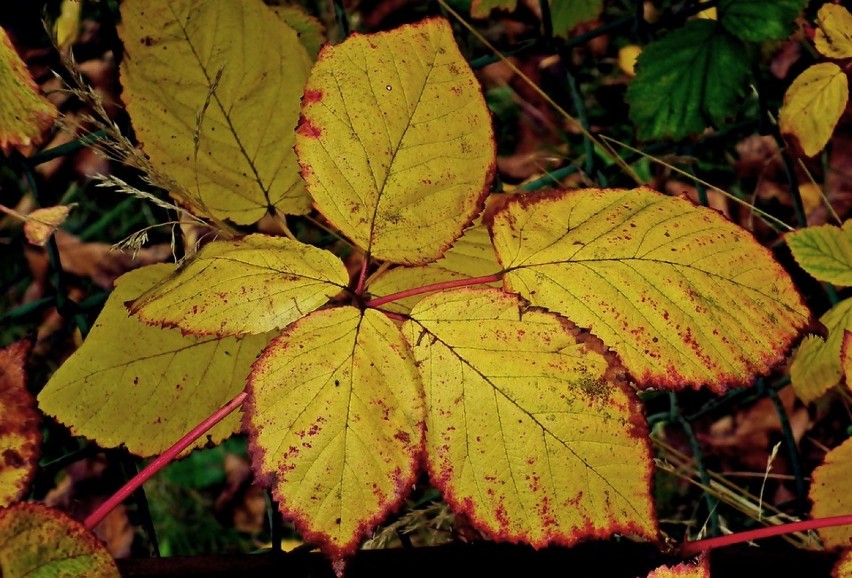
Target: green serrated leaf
pixel 567 14
pixel 825 252
pixel 758 20
pixel 691 79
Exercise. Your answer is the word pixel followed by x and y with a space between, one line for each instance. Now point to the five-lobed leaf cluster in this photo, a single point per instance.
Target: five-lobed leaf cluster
pixel 518 399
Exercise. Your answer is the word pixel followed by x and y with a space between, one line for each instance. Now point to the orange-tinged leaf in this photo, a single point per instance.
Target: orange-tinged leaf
pixel 698 569
pixel 24 113
pixel 395 141
pixel 815 366
pixel 144 387
pixel 830 494
pixel 528 431
pixel 843 566
pixel 833 37
pixel 335 414
pixel 20 436
pixel 825 252
pixel 41 223
pixel 251 285
pixel 813 105
pixel 40 542
pixel 213 107
pixel 682 295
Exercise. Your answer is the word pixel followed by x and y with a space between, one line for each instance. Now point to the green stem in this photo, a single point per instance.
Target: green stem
pixel 580 107
pixel 792 452
pixel 691 549
pixel 379 301
pixel 66 149
pixel 162 461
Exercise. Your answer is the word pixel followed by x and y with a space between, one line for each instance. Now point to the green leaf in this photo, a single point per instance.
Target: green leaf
pixel 144 387
pixel 758 20
pixel 251 285
pixel 682 295
pixel 692 78
pixel 395 142
pixel 40 542
pixel 310 30
pixel 816 365
pixel 528 431
pixel 20 436
pixel 567 14
pixel 825 252
pixel 483 8
pixel 335 419
pixel 213 91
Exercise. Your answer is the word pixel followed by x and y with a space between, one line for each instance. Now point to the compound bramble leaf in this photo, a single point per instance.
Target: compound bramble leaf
pixel 567 14
pixel 215 108
pixel 813 104
pixel 335 418
pixel 251 285
pixel 483 8
pixel 825 252
pixel 310 30
pixel 395 141
pixel 693 77
pixel 815 366
pixel 24 113
pixel 40 542
pixel 833 37
pixel 830 494
pixel 700 568
pixel 759 20
pixel 471 256
pixel 682 295
pixel 528 431
pixel 168 382
pixel 20 436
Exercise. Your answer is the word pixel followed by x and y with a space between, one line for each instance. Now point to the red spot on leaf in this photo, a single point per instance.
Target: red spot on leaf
pixel 308 129
pixel 312 95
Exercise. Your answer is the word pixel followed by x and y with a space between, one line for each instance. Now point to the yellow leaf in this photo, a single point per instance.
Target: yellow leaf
pixel 843 566
pixel 813 105
pixel 395 143
pixel 825 252
pixel 213 89
pixel 700 568
pixel 483 8
pixel 528 430
pixel 40 542
pixel 24 113
pixel 830 494
pixel 833 36
pixel 683 296
pixel 815 366
pixel 335 416
pixel 66 29
pixel 144 387
pixel 310 30
pixel 41 223
pixel 251 285
pixel 846 357
pixel 627 57
pixel 812 197
pixel 471 256
pixel 20 436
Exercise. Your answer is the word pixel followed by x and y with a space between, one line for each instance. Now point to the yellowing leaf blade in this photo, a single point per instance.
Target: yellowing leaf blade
pixel 395 141
pixel 252 285
pixel 335 416
pixel 20 436
pixel 214 109
pixel 684 297
pixel 815 366
pixel 528 431
pixel 813 105
pixel 169 382
pixel 310 30
pixel 39 541
pixel 24 113
pixel 825 252
pixel 830 494
pixel 42 223
pixel 833 37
